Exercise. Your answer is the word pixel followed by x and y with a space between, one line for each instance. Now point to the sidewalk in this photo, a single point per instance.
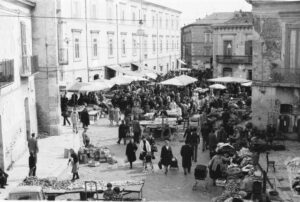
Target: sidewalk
pixel 50 160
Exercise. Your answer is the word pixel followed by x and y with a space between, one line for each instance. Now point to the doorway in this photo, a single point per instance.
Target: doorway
pixel 27 118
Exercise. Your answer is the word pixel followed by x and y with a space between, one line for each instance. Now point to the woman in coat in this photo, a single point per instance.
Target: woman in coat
pixel 130 152
pixel 166 156
pixel 187 155
pixel 75 164
pixel 85 118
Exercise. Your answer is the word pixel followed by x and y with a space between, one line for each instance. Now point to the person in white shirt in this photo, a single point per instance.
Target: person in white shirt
pixel 75 119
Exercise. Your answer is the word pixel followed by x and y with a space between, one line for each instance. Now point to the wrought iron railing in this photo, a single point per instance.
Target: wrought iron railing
pixel 234 59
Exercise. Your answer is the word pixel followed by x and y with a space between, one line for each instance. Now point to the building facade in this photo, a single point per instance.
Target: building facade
pixel 233 46
pixel 276 64
pixel 18 66
pixel 91 39
pixel 197 40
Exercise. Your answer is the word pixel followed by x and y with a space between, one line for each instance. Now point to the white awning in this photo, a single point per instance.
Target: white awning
pixel 182 62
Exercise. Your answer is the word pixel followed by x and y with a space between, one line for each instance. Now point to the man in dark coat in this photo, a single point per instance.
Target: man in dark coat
pixel 3 179
pixel 212 142
pixel 85 118
pixel 205 130
pixel 130 152
pixel 187 154
pixel 123 130
pixel 195 141
pixel 187 135
pixel 166 156
pixel 136 130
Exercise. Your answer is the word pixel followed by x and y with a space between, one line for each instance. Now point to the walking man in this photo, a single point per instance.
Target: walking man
pixel 187 155
pixel 195 140
pixel 123 130
pixel 33 145
pixel 85 118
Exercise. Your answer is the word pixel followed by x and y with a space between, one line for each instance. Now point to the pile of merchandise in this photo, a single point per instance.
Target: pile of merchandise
pixel 54 184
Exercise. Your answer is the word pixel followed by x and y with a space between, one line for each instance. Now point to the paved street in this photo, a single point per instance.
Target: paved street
pixel 173 187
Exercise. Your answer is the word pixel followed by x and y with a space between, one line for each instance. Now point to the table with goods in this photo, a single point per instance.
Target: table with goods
pixel 53 187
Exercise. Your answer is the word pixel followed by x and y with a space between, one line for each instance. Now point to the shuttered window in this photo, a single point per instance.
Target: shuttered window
pixel 293 47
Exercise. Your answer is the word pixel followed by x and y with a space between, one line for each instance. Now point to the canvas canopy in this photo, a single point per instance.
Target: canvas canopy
pixel 228 79
pixel 217 86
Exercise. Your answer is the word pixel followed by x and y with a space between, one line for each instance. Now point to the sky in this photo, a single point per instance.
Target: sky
pixel 194 9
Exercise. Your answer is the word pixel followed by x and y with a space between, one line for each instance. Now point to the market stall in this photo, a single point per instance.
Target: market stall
pixel 53 188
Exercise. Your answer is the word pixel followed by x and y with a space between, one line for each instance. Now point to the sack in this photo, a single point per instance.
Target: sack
pixel 160 164
pixel 154 148
pixel 142 156
pixel 200 172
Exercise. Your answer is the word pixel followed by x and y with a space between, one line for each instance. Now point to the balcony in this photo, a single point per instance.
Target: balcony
pixel 63 57
pixel 285 76
pixel 234 59
pixel 29 66
pixel 6 72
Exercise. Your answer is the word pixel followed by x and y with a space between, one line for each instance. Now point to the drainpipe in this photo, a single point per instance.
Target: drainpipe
pixel 86 41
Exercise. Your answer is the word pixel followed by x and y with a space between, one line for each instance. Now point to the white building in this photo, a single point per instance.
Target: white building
pixel 17 88
pixel 88 39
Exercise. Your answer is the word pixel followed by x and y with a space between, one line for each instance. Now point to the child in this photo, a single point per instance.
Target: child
pixel 108 193
pixel 117 196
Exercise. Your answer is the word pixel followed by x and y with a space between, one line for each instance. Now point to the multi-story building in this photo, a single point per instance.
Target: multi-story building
pixel 17 88
pixel 233 46
pixel 86 40
pixel 276 64
pixel 197 40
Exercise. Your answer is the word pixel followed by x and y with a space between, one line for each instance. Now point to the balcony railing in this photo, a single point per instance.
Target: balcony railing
pixel 234 59
pixel 6 72
pixel 63 57
pixel 285 76
pixel 29 66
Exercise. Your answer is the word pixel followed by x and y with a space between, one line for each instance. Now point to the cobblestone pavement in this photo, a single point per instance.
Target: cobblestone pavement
pixel 158 187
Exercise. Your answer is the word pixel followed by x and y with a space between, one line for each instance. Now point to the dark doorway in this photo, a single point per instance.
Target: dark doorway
pixel 109 73
pixel 96 76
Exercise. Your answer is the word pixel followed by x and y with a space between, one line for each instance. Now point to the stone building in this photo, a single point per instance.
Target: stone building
pixel 276 64
pixel 87 40
pixel 17 88
pixel 233 46
pixel 197 40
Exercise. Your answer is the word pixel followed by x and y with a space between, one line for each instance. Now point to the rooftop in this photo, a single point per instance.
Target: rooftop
pixel 215 18
pixel 241 18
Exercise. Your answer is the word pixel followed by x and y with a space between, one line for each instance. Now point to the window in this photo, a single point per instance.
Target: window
pixel 23 39
pixel 227 47
pixel 153 44
pixel 134 45
pixel 293 47
pixel 167 21
pixel 145 18
pixel 109 9
pixel 123 47
pixel 167 43
pixel 161 68
pixel 160 21
pixel 172 44
pixel 207 37
pixel 122 12
pixel 249 76
pixel 110 45
pixel 161 44
pixel 76 9
pixel 248 48
pixel 133 17
pixel 95 45
pixel 93 9
pixel 153 20
pixel 177 44
pixel 145 45
pixel 172 22
pixel 76 44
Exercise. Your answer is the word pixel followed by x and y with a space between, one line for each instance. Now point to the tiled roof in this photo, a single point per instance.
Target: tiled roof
pixel 216 18
pixel 241 18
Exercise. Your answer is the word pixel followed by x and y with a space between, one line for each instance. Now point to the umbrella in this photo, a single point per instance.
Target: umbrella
pixel 92 87
pixel 105 82
pixel 201 90
pixel 122 80
pixel 217 86
pixel 228 79
pixel 182 80
pixel 135 78
pixel 78 86
pixel 247 84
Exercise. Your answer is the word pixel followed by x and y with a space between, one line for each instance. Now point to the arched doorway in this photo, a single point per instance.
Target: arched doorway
pixel 96 76
pixel 227 71
pixel 27 118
